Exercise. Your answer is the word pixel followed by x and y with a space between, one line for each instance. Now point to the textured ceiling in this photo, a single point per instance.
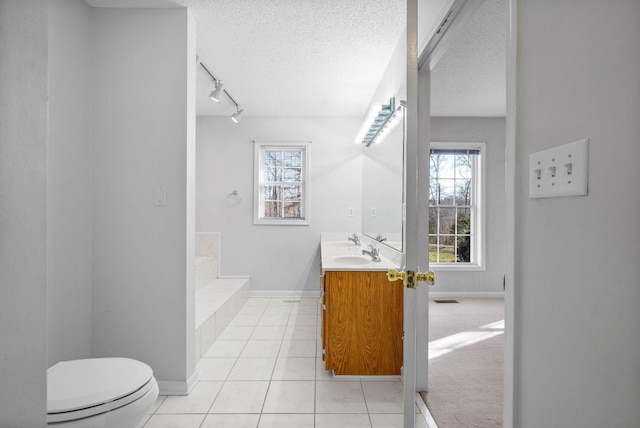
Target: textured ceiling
pixel 326 57
pixel 290 57
pixel 293 57
pixel 470 79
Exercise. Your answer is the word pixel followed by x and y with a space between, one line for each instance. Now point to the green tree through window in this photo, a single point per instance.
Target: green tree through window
pixel 454 204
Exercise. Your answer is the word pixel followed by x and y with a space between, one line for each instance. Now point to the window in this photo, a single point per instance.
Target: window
pixel 282 196
pixel 456 223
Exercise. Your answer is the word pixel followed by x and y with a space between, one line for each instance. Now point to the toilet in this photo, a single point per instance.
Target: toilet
pixel 99 392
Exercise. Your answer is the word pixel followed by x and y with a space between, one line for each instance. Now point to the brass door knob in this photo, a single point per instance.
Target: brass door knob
pixel 411 278
pixel 394 275
pixel 429 277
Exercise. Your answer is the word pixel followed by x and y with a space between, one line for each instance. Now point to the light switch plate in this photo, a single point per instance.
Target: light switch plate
pixel 160 196
pixel 559 171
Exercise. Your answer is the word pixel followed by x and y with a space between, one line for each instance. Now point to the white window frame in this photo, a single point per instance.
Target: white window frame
pixel 258 206
pixel 478 218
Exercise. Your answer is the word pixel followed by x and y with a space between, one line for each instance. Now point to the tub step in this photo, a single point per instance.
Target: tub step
pixel 216 305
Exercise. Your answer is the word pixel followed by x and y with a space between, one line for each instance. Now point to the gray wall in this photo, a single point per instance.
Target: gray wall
pixel 278 258
pixel 143 137
pixel 23 212
pixel 491 131
pixel 577 272
pixel 69 182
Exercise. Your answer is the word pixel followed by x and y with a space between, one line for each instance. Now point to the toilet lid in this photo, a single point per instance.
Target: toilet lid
pixel 79 384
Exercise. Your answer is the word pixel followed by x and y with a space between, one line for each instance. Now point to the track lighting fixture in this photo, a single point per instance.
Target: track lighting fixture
pixel 216 94
pixel 236 116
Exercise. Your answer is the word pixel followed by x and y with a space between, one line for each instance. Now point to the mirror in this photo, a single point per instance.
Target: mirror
pixel 382 188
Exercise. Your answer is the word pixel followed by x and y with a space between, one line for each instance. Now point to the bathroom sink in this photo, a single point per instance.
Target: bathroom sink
pixel 352 260
pixel 341 244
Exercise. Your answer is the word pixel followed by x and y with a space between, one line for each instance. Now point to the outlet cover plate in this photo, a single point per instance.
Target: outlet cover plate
pixel 560 171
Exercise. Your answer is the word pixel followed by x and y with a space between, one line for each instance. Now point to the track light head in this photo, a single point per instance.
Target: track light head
pixel 236 116
pixel 216 94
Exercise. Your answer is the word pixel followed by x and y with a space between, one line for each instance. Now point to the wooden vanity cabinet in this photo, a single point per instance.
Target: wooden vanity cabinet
pixel 361 323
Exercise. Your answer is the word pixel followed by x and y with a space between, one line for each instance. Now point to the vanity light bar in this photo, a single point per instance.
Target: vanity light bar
pixel 375 120
pixel 395 118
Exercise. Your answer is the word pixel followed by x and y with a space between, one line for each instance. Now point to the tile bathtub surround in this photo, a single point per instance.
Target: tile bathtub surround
pixel 218 300
pixel 266 370
pixel 207 253
pixel 207 244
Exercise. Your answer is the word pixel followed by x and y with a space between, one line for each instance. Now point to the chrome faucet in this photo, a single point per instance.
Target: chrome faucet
pixel 373 252
pixel 355 238
pixel 380 238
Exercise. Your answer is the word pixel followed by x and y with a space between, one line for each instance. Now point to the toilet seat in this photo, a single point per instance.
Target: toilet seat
pixel 82 388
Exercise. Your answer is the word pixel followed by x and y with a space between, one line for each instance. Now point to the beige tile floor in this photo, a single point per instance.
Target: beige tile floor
pixel 266 370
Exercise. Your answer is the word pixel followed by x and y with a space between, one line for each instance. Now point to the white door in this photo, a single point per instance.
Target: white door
pixel 416 167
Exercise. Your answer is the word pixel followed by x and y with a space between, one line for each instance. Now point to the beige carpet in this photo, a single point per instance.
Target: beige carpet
pixel 466 363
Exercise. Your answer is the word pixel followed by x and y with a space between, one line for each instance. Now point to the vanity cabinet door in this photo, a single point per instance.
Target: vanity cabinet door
pixel 363 326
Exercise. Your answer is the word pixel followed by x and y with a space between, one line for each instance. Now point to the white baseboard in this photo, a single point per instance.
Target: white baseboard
pixel 432 295
pixel 283 293
pixel 178 387
pixel 466 295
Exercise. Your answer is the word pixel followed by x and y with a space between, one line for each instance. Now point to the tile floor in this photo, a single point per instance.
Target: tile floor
pixel 265 370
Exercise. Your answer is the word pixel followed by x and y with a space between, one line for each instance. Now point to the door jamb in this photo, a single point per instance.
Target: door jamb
pixel 510 199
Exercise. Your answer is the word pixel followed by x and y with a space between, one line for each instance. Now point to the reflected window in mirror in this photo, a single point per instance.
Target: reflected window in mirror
pixel 281 181
pixel 456 201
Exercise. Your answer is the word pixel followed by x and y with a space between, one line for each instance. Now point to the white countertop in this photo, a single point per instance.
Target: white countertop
pixel 337 253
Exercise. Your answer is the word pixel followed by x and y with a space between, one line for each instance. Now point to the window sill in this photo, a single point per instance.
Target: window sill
pixel 441 267
pixel 261 222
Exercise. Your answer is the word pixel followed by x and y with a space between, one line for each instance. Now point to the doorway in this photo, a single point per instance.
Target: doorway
pixel 468 104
